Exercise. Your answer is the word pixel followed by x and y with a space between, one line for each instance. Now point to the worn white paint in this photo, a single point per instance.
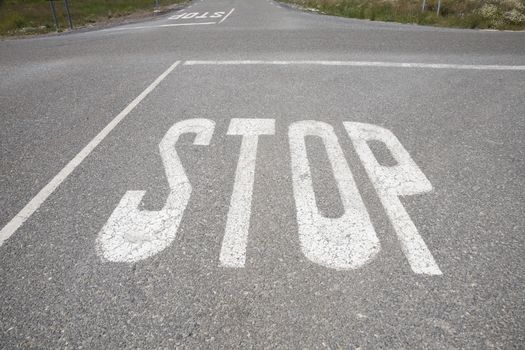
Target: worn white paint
pixel 177 16
pixel 218 14
pixel 402 179
pixel 199 15
pixel 162 26
pixel 362 64
pixel 347 242
pixel 233 251
pixel 132 234
pixel 189 15
pixel 48 189
pixel 204 15
pixel 228 15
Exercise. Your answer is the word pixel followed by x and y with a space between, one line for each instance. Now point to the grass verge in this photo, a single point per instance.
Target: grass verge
pixel 25 17
pixel 484 14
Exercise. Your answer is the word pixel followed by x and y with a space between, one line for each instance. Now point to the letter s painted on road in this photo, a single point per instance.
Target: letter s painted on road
pixel 131 234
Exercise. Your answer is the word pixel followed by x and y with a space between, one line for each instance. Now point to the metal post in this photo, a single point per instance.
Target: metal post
pixel 54 12
pixel 423 6
pixel 439 7
pixel 157 6
pixel 66 5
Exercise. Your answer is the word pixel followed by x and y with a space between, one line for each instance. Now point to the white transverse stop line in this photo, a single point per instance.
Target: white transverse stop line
pixel 229 13
pixel 48 189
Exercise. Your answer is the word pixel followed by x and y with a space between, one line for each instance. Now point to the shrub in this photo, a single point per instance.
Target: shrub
pixel 459 13
pixel 514 17
pixel 12 22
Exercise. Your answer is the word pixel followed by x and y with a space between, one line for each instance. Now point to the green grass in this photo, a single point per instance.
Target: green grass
pixel 19 17
pixel 495 14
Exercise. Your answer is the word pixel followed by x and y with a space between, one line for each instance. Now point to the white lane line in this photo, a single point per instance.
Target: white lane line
pixel 229 13
pixel 48 189
pixel 362 64
pixel 163 25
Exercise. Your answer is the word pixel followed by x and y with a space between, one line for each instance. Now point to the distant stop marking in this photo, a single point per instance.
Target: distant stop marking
pixel 216 16
pixel 343 243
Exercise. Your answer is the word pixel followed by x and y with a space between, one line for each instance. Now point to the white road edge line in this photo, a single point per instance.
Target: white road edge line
pixel 48 189
pixel 362 64
pixel 229 13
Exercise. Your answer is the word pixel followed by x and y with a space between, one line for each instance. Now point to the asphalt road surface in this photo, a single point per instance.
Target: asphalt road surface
pixel 241 174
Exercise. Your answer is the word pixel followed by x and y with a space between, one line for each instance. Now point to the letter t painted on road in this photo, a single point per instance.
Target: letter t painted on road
pixel 233 251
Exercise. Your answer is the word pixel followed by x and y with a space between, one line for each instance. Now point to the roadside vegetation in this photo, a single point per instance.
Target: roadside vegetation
pixel 22 17
pixel 493 14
